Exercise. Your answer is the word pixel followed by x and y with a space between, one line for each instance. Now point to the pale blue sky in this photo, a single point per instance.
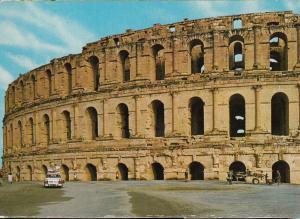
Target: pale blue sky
pixel 31 34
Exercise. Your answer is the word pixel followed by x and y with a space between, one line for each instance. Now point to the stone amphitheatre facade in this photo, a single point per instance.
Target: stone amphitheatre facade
pixel 202 96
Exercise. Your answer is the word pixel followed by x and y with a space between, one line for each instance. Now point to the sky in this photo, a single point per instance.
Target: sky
pixel 34 32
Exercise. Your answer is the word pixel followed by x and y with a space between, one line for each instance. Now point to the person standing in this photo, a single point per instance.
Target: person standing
pixel 10 178
pixel 278 177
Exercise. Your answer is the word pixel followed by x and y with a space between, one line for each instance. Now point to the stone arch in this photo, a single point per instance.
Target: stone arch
pixel 90 172
pixel 123 171
pixel 33 86
pixel 31 131
pixel 159 61
pixel 196 48
pixel 49 80
pixel 280 114
pixel 196 170
pixel 196 106
pixel 29 173
pixel 92 123
pixel 20 134
pixel 69 77
pixel 44 171
pixel 158 120
pixel 158 171
pixel 284 170
pixel 67 131
pixel 236 53
pixel 22 91
pixel 94 65
pixel 46 128
pixel 237 115
pixel 125 65
pixel 236 167
pixel 278 52
pixel 64 171
pixel 123 120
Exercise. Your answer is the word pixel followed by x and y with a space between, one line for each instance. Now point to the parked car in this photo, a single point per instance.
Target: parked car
pixel 53 179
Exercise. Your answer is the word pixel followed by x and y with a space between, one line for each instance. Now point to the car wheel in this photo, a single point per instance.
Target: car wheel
pixel 255 181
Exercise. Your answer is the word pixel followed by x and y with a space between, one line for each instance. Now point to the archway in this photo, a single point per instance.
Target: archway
pixel 284 170
pixel 64 171
pixel 197 116
pixel 158 171
pixel 18 174
pixel 44 172
pixel 123 171
pixel 29 171
pixel 237 116
pixel 280 114
pixel 158 118
pixel 237 167
pixel 90 172
pixel 196 171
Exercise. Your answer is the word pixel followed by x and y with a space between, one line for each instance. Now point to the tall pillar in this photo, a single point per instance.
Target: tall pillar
pixel 255 65
pixel 256 89
pixel 215 62
pixel 103 117
pixel 136 115
pixel 298 86
pixel 213 92
pixel 297 26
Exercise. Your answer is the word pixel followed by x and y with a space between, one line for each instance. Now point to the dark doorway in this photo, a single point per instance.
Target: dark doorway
pixel 91 172
pixel 280 114
pixel 237 167
pixel 29 173
pixel 197 116
pixel 65 172
pixel 158 171
pixel 237 116
pixel 196 171
pixel 18 175
pixel 44 171
pixel 94 63
pixel 284 170
pixel 159 60
pixel 122 168
pixel 159 118
pixel 93 117
pixel 124 117
pixel 197 56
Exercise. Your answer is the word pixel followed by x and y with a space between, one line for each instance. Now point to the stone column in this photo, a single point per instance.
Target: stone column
pixel 74 119
pixel 136 115
pixel 103 117
pixel 255 65
pixel 256 89
pixel 215 62
pixel 213 92
pixel 297 26
pixel 298 86
pixel 137 74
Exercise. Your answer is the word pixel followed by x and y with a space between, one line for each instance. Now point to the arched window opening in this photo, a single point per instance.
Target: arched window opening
pixel 196 171
pixel 20 133
pixel 31 131
pixel 159 60
pixel 237 116
pixel 237 23
pixel 158 118
pixel 278 52
pixel 125 62
pixel 94 62
pixel 280 114
pixel 284 170
pixel 68 68
pixel 197 116
pixel 197 56
pixel 90 172
pixel 49 77
pixel 158 171
pixel 93 122
pixel 236 53
pixel 123 120
pixel 238 168
pixel 46 122
pixel 67 125
pixel 33 87
pixel 123 171
pixel 64 172
pixel 22 90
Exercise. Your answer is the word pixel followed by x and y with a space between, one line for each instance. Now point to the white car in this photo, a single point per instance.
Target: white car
pixel 53 180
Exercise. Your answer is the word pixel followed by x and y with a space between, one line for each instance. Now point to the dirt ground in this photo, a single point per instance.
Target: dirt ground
pixel 150 198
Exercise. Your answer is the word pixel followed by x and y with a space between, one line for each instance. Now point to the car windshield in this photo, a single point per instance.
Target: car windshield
pixel 53 176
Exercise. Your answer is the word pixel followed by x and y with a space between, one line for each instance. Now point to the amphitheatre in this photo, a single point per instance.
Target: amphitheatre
pixel 200 96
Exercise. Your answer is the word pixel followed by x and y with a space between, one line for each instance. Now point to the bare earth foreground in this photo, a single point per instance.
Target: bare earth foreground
pixel 150 198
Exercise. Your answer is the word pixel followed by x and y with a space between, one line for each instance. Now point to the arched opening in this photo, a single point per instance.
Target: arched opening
pixel 90 172
pixel 64 171
pixel 31 131
pixel 20 127
pixel 158 171
pixel 237 115
pixel 158 118
pixel 44 172
pixel 123 171
pixel 29 170
pixel 22 90
pixel 197 56
pixel 278 52
pixel 237 23
pixel 33 87
pixel 237 167
pixel 236 53
pixel 94 64
pixel 280 114
pixel 46 127
pixel 125 62
pixel 284 170
pixel 123 120
pixel 49 78
pixel 93 123
pixel 67 125
pixel 159 60
pixel 196 171
pixel 68 68
pixel 197 116
pixel 18 174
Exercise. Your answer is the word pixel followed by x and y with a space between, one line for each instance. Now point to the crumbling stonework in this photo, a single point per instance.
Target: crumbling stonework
pixel 202 96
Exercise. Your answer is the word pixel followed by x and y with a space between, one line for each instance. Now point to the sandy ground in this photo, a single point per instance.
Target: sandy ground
pixel 151 198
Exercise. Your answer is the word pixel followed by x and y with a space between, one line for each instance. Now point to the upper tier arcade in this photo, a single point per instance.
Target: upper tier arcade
pixel 228 46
